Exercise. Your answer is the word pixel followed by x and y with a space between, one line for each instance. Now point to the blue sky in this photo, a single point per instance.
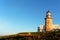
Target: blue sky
pixel 26 15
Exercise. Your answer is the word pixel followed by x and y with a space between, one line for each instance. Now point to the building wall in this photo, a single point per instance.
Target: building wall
pixel 48 24
pixel 42 28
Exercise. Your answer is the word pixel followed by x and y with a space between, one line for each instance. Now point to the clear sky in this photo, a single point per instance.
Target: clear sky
pixel 26 15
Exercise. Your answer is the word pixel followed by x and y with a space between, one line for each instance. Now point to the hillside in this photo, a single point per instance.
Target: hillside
pixel 55 35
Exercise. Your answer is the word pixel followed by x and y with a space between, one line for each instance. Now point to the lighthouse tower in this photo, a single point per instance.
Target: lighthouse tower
pixel 48 21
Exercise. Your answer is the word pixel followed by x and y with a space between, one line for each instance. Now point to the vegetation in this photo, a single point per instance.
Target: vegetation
pixel 52 35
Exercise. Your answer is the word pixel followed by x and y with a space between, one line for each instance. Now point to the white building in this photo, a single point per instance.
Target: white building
pixel 49 26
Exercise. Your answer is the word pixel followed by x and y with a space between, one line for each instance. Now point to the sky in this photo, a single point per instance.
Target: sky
pixel 18 16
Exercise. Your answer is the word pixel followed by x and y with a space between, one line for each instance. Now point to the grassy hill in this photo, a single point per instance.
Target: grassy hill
pixel 52 35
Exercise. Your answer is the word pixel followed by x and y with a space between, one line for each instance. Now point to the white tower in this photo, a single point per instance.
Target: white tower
pixel 48 21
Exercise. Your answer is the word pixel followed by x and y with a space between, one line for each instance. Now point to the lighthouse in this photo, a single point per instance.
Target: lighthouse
pixel 48 21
